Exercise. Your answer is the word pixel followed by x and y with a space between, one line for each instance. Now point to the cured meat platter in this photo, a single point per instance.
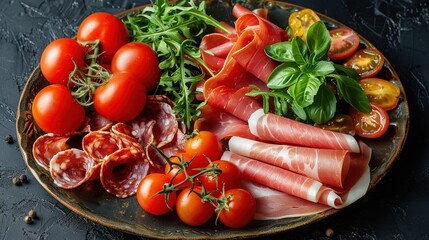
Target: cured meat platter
pixel 93 202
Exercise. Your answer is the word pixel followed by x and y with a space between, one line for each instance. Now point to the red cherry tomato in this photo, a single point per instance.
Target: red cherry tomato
pixel 367 62
pixel 148 197
pixel 205 143
pixel 108 29
pixel 139 59
pixel 381 92
pixel 56 62
pixel 342 123
pixel 121 99
pixel 230 177
pixel 192 209
pixel 344 42
pixel 178 175
pixel 240 210
pixel 371 125
pixel 56 111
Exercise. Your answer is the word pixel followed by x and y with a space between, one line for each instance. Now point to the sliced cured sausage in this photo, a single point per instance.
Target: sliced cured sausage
pixel 277 129
pixel 99 144
pixel 72 167
pixel 122 171
pixel 46 146
pixel 328 166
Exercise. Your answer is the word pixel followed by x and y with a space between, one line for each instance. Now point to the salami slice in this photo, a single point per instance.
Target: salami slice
pixel 99 144
pixel 70 168
pixel 47 145
pixel 122 171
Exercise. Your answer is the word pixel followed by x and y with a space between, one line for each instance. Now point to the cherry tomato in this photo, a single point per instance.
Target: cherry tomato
pixel 344 42
pixel 56 111
pixel 229 177
pixel 106 28
pixel 205 143
pixel 121 99
pixel 371 125
pixel 192 209
pixel 56 62
pixel 301 21
pixel 240 210
pixel 381 92
pixel 342 123
pixel 178 175
pixel 148 197
pixel 367 62
pixel 139 59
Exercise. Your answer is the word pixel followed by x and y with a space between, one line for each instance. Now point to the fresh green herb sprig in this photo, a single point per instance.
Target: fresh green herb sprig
pixel 302 79
pixel 174 31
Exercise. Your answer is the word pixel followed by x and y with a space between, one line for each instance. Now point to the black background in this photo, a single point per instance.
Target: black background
pixel 397 208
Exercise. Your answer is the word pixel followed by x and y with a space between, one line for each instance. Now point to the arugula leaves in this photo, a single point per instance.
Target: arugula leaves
pixel 302 80
pixel 174 31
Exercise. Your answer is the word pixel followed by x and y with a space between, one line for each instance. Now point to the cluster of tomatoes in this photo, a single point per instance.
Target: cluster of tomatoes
pixel 101 66
pixel 197 187
pixel 368 62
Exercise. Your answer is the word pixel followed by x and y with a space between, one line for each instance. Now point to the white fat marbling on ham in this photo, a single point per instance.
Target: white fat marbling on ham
pixel 328 166
pixel 273 128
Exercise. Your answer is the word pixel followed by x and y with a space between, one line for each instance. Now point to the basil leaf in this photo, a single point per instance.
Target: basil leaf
pixel 324 105
pixel 299 50
pixel 305 89
pixel 350 72
pixel 323 68
pixel 281 51
pixel 352 92
pixel 283 76
pixel 318 41
pixel 299 111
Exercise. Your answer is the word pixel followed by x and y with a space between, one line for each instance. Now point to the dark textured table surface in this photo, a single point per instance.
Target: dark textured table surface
pixel 397 208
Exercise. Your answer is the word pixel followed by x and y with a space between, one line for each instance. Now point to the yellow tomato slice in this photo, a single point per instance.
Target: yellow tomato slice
pixel 381 92
pixel 300 21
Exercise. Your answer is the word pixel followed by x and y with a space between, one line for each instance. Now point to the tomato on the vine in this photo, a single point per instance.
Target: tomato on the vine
pixel 177 174
pixel 344 42
pixel 300 22
pixel 239 209
pixel 371 125
pixel 367 62
pixel 121 99
pixel 56 111
pixel 205 143
pixel 381 92
pixel 106 28
pixel 148 197
pixel 58 59
pixel 141 60
pixel 192 209
pixel 229 177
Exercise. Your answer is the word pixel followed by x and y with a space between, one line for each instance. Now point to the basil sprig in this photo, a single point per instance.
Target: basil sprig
pixel 302 80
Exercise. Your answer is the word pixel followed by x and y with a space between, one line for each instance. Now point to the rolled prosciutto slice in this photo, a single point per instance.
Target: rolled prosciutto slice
pixel 72 167
pixel 277 129
pixel 122 171
pixel 327 166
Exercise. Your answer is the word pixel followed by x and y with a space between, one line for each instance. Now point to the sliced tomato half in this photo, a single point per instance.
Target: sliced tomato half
pixel 371 125
pixel 344 42
pixel 367 62
pixel 381 92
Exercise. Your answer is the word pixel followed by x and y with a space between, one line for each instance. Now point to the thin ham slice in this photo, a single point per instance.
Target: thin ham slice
pixel 221 123
pixel 325 165
pixel 261 182
pixel 234 101
pixel 274 128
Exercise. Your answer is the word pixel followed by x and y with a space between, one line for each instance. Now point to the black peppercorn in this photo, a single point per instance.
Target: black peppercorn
pixel 23 178
pixel 32 213
pixel 329 232
pixel 8 139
